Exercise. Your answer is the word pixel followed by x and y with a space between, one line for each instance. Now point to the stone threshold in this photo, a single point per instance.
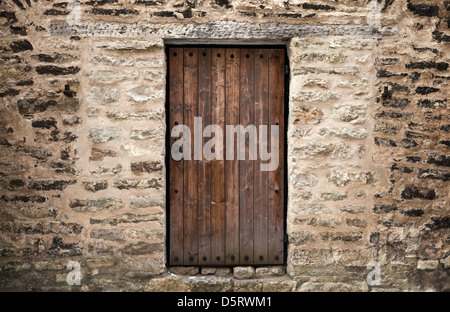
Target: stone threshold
pixel 224 279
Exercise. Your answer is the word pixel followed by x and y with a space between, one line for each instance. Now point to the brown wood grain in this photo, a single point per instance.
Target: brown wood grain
pixel 176 167
pixel 232 166
pixel 190 166
pixel 246 117
pixel 261 187
pixel 218 166
pixel 204 167
pixel 276 187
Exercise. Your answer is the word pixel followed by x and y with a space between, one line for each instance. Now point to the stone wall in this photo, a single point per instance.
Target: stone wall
pixel 82 125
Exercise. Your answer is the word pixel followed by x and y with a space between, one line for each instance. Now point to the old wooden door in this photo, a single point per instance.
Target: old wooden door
pixel 225 211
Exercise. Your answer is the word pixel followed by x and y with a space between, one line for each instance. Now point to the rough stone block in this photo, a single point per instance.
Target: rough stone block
pixel 131 44
pixel 434 174
pixel 143 94
pixel 146 134
pixel 333 287
pixel 319 221
pixel 99 154
pixel 301 238
pixel 155 232
pixel 144 266
pixel 356 257
pixel 279 286
pixel 99 263
pixel 307 115
pixel 300 181
pixel 50 185
pixel 211 284
pixel 342 178
pixel 111 60
pixel 150 62
pixel 353 113
pixel 310 96
pixel 56 70
pixel 107 171
pixel 333 196
pixel 146 166
pixel 142 248
pixel 342 236
pixel 353 44
pixel 95 186
pixel 108 234
pixel 270 271
pixel 150 115
pixel 320 57
pixel 356 223
pixel 110 76
pixel 353 84
pixel 126 218
pixel 446 262
pixel 421 192
pixel 247 286
pixel 91 205
pixel 243 272
pixel 135 151
pixel 47 227
pixel 153 75
pixel 101 135
pixel 306 209
pixel 350 71
pixel 137 202
pixel 189 271
pixel 316 83
pixel 137 184
pixel 344 133
pixel 168 284
pixel 103 95
pixel 223 272
pixel 427 264
pixel 50 265
pixel 208 270
pixel 309 150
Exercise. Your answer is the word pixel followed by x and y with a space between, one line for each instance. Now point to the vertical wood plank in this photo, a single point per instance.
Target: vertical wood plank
pixel 232 166
pixel 260 195
pixel 204 167
pixel 276 187
pixel 175 167
pixel 218 166
pixel 246 117
pixel 190 166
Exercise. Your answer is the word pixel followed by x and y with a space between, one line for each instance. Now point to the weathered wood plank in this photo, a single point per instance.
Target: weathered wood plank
pixel 260 195
pixel 190 166
pixel 276 182
pixel 175 167
pixel 232 166
pixel 218 165
pixel 204 167
pixel 246 117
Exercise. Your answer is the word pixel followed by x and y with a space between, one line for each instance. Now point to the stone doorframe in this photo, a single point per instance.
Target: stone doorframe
pixel 332 92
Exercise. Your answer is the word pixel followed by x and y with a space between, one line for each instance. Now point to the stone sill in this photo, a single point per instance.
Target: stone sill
pixel 238 272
